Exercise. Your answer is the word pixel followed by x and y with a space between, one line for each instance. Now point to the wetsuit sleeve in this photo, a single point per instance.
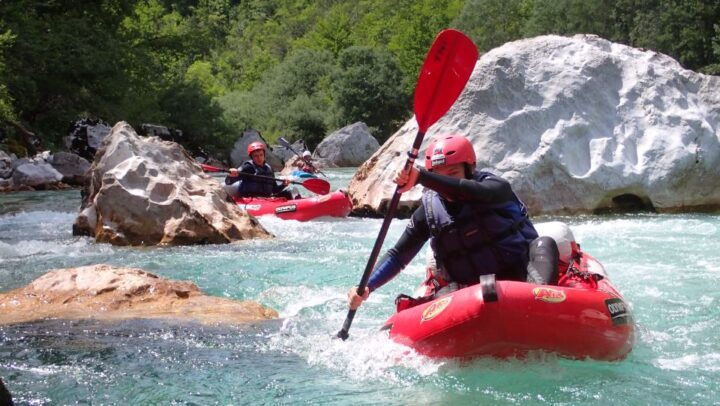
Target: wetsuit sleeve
pixel 229 180
pixel 277 187
pixel 414 237
pixel 490 189
pixel 247 167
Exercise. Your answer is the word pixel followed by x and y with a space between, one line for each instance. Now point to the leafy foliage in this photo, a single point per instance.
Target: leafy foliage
pixel 368 87
pixel 296 68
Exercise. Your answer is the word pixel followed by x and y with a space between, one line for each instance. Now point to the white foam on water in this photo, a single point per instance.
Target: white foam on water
pixel 367 355
pixel 73 248
pixel 312 317
pixel 705 362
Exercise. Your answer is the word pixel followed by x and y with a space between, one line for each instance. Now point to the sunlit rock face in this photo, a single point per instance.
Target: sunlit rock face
pixel 105 292
pixel 346 147
pixel 577 125
pixel 145 191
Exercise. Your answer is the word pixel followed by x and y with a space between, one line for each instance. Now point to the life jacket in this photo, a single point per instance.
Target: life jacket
pixel 254 186
pixel 481 239
pixel 581 270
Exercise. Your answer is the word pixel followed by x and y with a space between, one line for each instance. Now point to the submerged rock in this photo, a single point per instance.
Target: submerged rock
pixel 105 292
pixel 145 191
pixel 577 125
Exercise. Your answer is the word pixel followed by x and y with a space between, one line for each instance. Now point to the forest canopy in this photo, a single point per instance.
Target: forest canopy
pixel 291 68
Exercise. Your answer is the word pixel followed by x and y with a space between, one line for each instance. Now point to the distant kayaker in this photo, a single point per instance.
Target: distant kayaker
pixel 248 186
pixel 304 163
pixel 476 223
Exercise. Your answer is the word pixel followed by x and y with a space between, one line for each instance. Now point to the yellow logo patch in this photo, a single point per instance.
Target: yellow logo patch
pixel 436 308
pixel 549 295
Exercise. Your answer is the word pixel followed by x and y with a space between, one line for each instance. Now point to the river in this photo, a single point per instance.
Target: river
pixel 666 266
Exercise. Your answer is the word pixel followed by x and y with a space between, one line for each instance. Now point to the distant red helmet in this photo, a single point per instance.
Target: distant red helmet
pixel 449 149
pixel 254 146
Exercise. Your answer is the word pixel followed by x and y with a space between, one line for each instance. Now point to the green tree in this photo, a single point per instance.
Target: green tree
pixel 304 118
pixel 272 106
pixel 568 17
pixel 491 23
pixel 7 110
pixel 332 32
pixel 415 33
pixel 683 29
pixel 368 87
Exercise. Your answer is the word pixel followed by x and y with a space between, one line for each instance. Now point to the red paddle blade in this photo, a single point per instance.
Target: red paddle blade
pixel 209 168
pixel 443 76
pixel 319 186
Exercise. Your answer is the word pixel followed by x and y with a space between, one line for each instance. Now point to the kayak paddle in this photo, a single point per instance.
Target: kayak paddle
pixel 315 185
pixel 443 76
pixel 287 145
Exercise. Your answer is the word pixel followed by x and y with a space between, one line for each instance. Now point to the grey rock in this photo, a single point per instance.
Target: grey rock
pixel 348 146
pixel 36 175
pixel 239 154
pixel 6 167
pixel 73 167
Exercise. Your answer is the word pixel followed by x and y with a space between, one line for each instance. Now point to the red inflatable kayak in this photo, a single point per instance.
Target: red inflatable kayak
pixel 583 317
pixel 335 204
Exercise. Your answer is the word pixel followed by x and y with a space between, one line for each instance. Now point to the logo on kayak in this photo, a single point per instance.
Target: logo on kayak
pixel 285 209
pixel 250 206
pixel 549 295
pixel 618 311
pixel 324 198
pixel 436 308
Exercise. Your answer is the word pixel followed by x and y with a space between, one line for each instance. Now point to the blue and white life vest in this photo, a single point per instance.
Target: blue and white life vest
pixel 481 239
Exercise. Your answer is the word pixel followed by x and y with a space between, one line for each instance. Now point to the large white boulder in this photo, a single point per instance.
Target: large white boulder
pixel 349 146
pixel 145 191
pixel 576 124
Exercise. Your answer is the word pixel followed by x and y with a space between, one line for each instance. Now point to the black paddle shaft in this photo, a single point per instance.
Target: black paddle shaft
pixel 287 145
pixel 412 155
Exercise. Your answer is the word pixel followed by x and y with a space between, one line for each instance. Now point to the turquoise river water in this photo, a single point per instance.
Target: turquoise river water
pixel 667 267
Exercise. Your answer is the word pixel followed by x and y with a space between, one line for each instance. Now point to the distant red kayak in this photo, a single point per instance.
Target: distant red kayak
pixel 335 204
pixel 509 319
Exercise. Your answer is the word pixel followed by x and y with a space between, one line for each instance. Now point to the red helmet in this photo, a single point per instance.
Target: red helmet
pixel 449 149
pixel 254 146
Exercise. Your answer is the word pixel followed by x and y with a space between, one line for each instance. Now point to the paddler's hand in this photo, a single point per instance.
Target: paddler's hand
pixel 407 178
pixel 233 172
pixel 286 182
pixel 355 300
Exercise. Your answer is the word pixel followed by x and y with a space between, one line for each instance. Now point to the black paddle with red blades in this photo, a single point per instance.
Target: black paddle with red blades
pixel 443 76
pixel 315 185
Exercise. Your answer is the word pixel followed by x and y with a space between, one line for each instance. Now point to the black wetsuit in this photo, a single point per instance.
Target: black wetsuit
pixel 257 187
pixel 491 190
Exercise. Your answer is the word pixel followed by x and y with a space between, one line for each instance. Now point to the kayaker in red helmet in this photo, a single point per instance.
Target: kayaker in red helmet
pixel 256 165
pixel 475 222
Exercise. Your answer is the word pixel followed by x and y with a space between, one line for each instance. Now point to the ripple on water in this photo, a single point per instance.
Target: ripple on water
pixel 665 266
